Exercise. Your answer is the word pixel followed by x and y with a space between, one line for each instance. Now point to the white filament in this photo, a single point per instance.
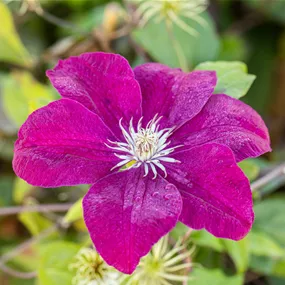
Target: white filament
pixel 145 147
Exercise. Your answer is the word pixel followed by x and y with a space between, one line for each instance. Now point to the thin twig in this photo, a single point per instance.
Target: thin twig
pixel 35 208
pixel 20 248
pixel 35 6
pixel 17 250
pixel 58 22
pixel 272 175
pixel 17 274
pixel 177 47
pixel 124 31
pixel 139 50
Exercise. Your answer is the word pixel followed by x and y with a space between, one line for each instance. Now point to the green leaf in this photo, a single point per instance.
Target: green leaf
pixel 15 281
pixel 261 244
pixel 239 252
pixel 262 264
pixel 90 19
pixel 268 266
pixel 250 169
pixel 155 39
pixel 11 47
pixel 22 95
pixel 74 213
pixel 208 258
pixel 203 238
pixel 33 221
pixel 233 78
pixel 138 61
pixel 179 231
pixel 270 218
pixel 279 268
pixel 203 276
pixel 54 262
pixel 20 190
pixel 276 281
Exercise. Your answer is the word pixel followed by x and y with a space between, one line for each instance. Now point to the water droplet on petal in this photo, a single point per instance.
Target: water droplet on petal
pixel 169 187
pixel 167 196
pixel 190 185
pixel 155 194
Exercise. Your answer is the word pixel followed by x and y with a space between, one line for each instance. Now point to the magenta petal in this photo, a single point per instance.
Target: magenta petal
pixel 216 194
pixel 63 144
pixel 227 121
pixel 102 82
pixel 126 214
pixel 173 94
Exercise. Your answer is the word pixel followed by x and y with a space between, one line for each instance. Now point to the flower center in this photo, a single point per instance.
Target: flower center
pixel 145 147
pixel 146 142
pixel 90 268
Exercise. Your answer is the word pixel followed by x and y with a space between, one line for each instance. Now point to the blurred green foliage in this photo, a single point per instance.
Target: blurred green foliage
pixel 241 41
pixel 21 95
pixel 157 42
pixel 202 276
pixel 11 48
pixel 54 261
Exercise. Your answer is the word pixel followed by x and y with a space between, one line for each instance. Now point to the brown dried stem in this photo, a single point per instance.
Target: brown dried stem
pixel 35 208
pixel 269 177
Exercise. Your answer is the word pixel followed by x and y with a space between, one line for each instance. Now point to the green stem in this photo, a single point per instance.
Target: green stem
pixel 177 47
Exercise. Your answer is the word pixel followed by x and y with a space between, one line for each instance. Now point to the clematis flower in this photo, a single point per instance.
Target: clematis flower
pixel 158 146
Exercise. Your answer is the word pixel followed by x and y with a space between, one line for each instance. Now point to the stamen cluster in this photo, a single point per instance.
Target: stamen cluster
pixel 90 268
pixel 173 11
pixel 163 265
pixel 145 147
